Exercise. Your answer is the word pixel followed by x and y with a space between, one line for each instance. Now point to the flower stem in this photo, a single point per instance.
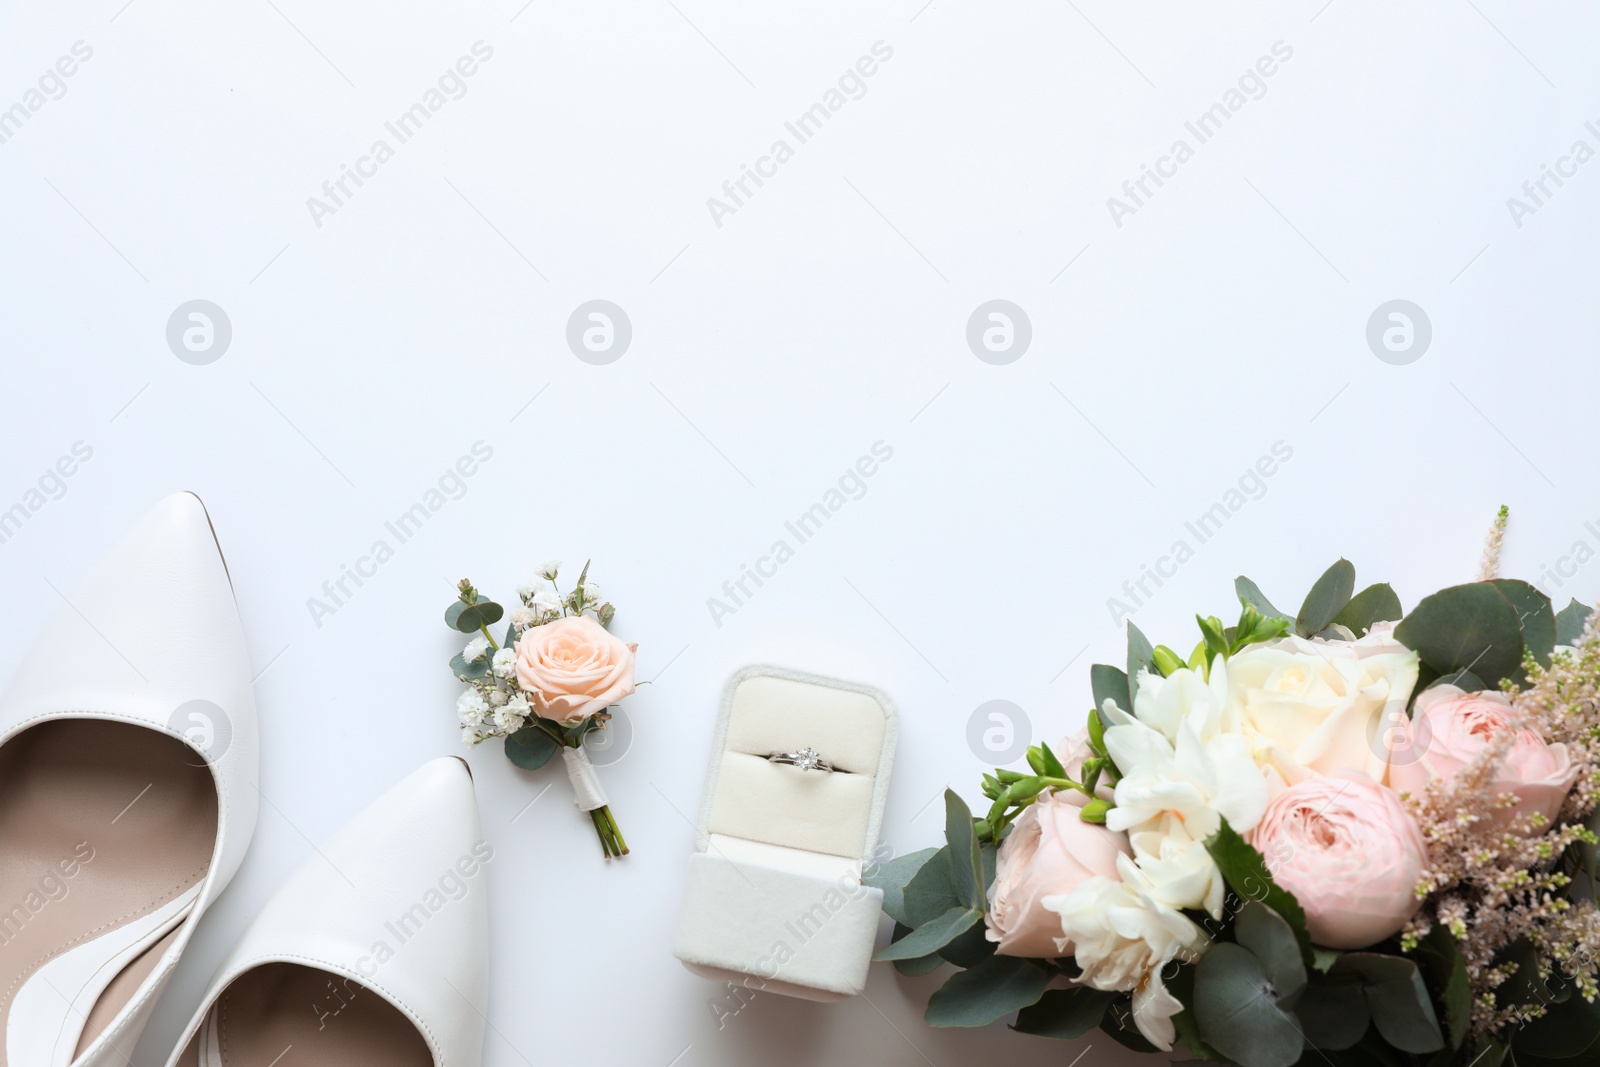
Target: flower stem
pixel 605 826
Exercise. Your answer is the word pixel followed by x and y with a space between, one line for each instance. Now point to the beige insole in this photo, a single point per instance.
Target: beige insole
pixel 101 823
pixel 288 1015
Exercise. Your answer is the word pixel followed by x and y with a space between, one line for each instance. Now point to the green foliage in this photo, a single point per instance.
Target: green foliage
pixel 988 991
pixel 1537 617
pixel 1252 596
pixel 1240 1012
pixel 1466 627
pixel 1140 657
pixel 469 672
pixel 1396 997
pixel 1109 683
pixel 1245 871
pixel 891 876
pixel 530 748
pixel 470 618
pixel 1327 598
pixel 1375 603
pixel 1064 1013
pixel 1570 622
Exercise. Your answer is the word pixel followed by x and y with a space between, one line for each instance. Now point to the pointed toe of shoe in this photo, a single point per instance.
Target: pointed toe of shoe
pixel 152 627
pixel 396 902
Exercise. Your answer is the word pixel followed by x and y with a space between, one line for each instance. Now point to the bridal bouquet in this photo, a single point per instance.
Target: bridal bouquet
pixel 547 683
pixel 1348 836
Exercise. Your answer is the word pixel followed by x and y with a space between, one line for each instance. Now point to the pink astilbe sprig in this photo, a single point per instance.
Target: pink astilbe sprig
pixel 1492 884
pixel 1489 567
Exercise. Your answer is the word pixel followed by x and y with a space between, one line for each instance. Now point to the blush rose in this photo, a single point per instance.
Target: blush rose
pixel 1350 853
pixel 1049 852
pixel 573 667
pixel 1450 727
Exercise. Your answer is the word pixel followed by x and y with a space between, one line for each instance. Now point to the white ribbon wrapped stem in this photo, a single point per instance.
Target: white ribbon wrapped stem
pixel 585 782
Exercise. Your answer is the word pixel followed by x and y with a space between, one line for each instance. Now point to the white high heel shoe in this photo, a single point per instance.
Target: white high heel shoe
pixel 128 765
pixel 373 954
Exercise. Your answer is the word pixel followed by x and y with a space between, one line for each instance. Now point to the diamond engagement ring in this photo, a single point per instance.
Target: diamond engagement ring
pixel 806 759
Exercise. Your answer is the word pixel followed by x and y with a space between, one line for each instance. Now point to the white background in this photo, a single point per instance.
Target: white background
pixel 828 313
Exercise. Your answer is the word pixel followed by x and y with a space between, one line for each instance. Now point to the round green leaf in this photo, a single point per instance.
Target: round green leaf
pixel 530 748
pixel 1235 1005
pixel 1398 999
pixel 1272 941
pixel 1375 603
pixel 1538 617
pixel 469 618
pixel 1466 627
pixel 1569 623
pixel 1332 1016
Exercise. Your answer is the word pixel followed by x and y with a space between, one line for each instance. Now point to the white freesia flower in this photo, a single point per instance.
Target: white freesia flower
pixel 1184 769
pixel 1123 936
pixel 504 663
pixel 1314 707
pixel 475 649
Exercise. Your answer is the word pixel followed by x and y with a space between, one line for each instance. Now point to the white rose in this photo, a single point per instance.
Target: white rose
pixel 1315 707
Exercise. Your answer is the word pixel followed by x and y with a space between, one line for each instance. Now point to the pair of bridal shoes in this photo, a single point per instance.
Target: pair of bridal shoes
pixel 128 796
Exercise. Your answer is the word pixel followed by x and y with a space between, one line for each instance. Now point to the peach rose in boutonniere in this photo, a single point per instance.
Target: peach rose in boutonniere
pixel 572 667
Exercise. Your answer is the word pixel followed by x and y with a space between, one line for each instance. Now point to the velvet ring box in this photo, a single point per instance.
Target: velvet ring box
pixel 774 898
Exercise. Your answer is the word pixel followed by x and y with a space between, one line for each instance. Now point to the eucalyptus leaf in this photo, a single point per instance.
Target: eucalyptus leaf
pixel 1537 616
pixel 1569 623
pixel 891 876
pixel 1333 1016
pixel 969 949
pixel 530 748
pixel 930 893
pixel 920 965
pixel 1064 1013
pixel 1397 997
pixel 1246 873
pixel 1236 1008
pixel 470 618
pixel 1110 683
pixel 1251 594
pixel 469 672
pixel 1327 598
pixel 988 991
pixel 1466 627
pixel 932 936
pixel 966 862
pixel 1375 603
pixel 1271 940
pixel 1141 656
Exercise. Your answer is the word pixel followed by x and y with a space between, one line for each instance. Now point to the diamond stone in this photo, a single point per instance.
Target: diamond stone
pixel 807 759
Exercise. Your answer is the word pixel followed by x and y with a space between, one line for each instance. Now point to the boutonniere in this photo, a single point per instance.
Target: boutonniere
pixel 547 683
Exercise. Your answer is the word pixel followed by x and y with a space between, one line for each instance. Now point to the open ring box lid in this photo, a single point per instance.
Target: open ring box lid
pixel 774 898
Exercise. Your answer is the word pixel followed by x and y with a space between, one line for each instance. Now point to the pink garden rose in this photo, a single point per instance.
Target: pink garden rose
pixel 1048 852
pixel 1449 728
pixel 1349 852
pixel 572 667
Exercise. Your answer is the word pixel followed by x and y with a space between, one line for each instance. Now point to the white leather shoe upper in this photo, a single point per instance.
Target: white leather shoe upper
pixel 396 901
pixel 152 637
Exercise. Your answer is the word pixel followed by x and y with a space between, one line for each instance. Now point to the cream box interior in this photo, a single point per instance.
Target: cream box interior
pixel 774 899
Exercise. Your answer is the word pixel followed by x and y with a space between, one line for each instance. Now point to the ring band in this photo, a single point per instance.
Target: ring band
pixel 806 759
